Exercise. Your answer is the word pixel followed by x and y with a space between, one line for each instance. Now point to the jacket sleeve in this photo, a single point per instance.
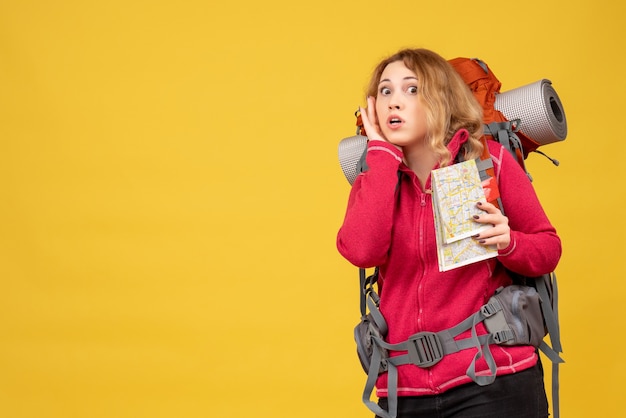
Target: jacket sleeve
pixel 535 247
pixel 365 236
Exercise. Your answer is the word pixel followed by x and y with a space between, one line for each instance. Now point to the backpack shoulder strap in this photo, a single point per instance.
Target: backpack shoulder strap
pixel 506 134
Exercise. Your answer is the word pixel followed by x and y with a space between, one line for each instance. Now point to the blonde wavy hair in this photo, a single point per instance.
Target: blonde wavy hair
pixel 449 103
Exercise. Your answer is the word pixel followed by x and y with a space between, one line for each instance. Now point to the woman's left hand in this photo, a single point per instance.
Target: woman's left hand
pixel 500 234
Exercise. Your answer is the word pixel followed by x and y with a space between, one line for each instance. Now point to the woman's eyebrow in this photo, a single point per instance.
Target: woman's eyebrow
pixel 405 78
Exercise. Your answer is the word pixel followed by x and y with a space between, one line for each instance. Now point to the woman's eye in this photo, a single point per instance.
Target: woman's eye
pixel 412 90
pixel 385 91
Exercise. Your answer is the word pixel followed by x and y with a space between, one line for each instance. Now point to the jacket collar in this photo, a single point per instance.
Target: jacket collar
pixel 457 141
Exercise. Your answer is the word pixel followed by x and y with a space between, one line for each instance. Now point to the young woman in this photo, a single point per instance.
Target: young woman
pixel 420 116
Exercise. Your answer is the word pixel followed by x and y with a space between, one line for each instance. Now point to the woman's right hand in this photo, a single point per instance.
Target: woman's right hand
pixel 370 121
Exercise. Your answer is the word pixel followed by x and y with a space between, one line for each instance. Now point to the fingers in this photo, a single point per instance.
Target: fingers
pixel 488 207
pixel 500 234
pixel 492 216
pixel 500 241
pixel 370 121
pixel 371 111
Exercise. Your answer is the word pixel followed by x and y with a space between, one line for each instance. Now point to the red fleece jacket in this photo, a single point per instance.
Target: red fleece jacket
pixel 389 223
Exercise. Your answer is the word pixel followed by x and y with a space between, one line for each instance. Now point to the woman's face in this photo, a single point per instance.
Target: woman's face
pixel 401 114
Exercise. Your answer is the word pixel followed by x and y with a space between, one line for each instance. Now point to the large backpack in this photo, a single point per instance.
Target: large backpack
pixel 534 110
pixel 509 118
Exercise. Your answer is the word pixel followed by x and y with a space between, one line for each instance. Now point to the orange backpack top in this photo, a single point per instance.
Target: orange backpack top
pixel 485 86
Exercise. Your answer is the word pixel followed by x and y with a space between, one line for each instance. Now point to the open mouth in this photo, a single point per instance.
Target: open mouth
pixel 394 122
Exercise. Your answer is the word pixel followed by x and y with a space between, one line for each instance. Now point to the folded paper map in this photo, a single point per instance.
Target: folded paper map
pixel 456 190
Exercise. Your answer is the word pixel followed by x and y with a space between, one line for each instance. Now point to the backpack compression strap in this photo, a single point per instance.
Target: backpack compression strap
pixel 551 318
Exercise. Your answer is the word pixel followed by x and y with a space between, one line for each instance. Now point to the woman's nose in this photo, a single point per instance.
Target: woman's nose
pixel 394 101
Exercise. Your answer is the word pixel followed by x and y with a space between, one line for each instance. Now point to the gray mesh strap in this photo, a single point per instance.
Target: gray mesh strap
pixel 555 365
pixel 505 134
pixel 376 315
pixel 362 275
pixel 392 391
pixel 552 355
pixel 371 382
pixel 502 131
pixel 483 166
pixel 487 310
pixel 483 380
pixel 550 315
pixel 369 299
pixel 555 390
pixel 483 351
pixel 503 138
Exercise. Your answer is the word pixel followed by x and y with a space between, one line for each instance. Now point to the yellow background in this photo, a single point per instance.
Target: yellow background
pixel 170 195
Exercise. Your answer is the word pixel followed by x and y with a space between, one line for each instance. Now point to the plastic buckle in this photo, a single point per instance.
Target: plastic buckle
pixel 425 349
pixel 491 308
pixel 503 336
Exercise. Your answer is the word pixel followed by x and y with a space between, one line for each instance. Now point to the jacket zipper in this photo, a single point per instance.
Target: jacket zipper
pixel 421 252
pixel 421 246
